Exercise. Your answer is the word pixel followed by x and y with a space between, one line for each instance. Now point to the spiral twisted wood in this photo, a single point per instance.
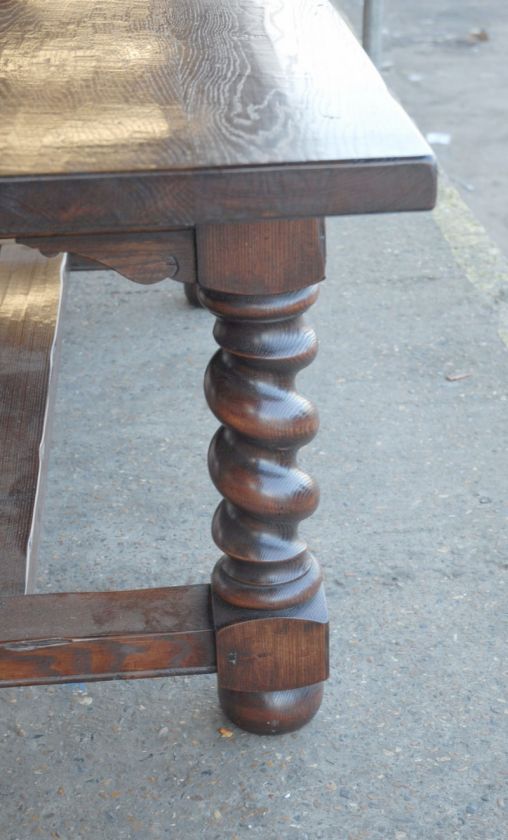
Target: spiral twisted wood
pixel 266 569
pixel 250 387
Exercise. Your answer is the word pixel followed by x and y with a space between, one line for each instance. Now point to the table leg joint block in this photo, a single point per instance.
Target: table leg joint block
pixel 272 654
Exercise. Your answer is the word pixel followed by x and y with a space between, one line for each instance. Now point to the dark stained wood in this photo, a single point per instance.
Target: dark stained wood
pixel 250 266
pixel 106 635
pixel 272 654
pixel 267 570
pixel 272 712
pixel 120 203
pixel 249 386
pixel 119 122
pixel 169 113
pixel 30 300
pixel 77 263
pixel 172 85
pixel 143 257
pixel 165 609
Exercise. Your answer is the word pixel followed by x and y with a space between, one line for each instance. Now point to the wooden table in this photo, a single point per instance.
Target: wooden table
pixel 202 141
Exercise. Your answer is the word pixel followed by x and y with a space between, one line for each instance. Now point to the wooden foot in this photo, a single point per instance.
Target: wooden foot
pixel 269 608
pixel 271 712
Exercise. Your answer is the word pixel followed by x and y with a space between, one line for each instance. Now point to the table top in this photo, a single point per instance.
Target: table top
pixel 144 87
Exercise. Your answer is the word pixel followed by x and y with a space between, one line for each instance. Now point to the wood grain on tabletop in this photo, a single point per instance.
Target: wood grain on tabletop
pixel 167 84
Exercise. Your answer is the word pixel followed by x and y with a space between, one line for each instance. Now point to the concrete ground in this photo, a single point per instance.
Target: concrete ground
pixel 411 383
pixel 446 61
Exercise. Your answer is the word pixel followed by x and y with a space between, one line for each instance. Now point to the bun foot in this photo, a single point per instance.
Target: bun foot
pixel 272 712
